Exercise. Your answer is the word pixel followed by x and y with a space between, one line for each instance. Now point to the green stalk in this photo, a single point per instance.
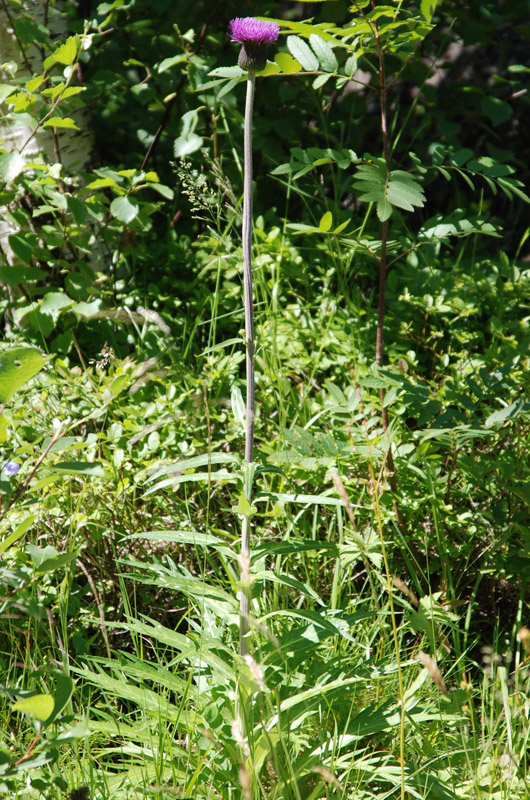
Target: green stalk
pixel 244 606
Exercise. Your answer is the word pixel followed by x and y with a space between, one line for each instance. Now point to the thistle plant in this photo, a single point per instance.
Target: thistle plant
pixel 253 35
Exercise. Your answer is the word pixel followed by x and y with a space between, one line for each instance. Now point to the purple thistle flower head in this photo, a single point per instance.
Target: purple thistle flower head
pixel 11 468
pixel 253 35
pixel 257 31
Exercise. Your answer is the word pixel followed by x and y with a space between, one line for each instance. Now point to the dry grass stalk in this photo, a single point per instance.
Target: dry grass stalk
pixel 342 493
pixel 434 671
pixel 402 586
pixel 245 782
pixel 328 776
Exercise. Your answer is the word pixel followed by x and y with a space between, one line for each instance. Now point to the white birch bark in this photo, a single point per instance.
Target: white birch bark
pixel 69 146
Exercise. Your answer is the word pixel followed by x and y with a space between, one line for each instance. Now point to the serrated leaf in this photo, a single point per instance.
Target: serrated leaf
pixel 326 221
pixel 39 706
pixel 404 192
pixel 320 80
pixel 60 122
pixel 350 66
pixel 11 165
pixel 303 53
pixel 227 72
pixel 384 209
pixel 123 209
pixel 326 56
pixel 66 53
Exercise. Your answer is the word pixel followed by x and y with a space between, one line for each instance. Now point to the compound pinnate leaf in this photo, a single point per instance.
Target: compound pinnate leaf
pixel 324 53
pixel 303 53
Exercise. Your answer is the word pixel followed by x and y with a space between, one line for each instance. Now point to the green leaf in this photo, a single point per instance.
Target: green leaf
pixel 91 469
pixel 227 72
pixel 188 141
pixel 11 165
pixel 65 54
pixel 19 531
pixel 167 63
pixel 326 221
pixel 326 56
pixel 63 693
pixel 124 209
pixel 320 80
pixel 38 705
pixel 23 245
pixel 301 51
pixel 163 190
pixel 60 122
pixel 287 63
pixel 427 8
pixel 17 366
pixel 56 562
pixel 403 191
pixel 6 90
pixel 498 111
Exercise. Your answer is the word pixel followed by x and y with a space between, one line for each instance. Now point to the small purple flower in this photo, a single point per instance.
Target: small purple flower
pixel 11 468
pixel 257 31
pixel 253 35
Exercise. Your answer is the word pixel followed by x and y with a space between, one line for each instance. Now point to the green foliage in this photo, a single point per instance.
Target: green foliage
pixel 388 599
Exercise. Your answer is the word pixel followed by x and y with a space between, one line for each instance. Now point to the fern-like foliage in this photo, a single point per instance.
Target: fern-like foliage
pixel 389 190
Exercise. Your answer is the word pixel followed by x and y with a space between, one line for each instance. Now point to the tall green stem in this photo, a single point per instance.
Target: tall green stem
pixel 244 603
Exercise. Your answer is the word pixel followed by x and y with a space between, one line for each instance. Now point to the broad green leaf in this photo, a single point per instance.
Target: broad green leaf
pixel 301 51
pixel 63 692
pixel 197 461
pixel 320 80
pixel 56 562
pixel 65 54
pixel 167 63
pixel 163 190
pixel 19 531
pixel 287 63
pixel 428 8
pixel 23 245
pixel 326 221
pixel 54 304
pixel 326 56
pixel 11 165
pixel 38 705
pixel 17 366
pixel 6 90
pixel 188 141
pixel 227 72
pixel 124 209
pixel 497 110
pixel 60 122
pixel 185 145
pixel 91 469
pixel 33 84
